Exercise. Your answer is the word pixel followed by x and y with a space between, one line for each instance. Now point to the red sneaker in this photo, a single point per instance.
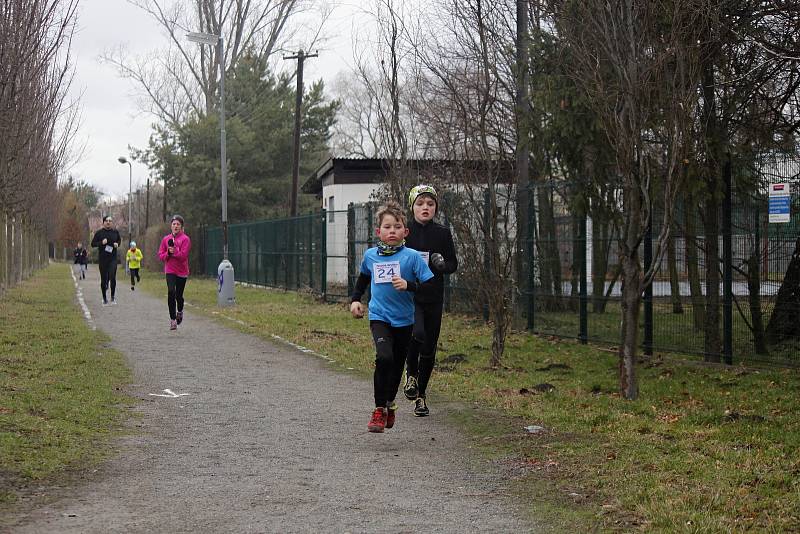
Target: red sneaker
pixel 390 413
pixel 378 421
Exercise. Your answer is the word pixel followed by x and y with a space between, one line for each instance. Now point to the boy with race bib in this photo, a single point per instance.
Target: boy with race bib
pixel 394 273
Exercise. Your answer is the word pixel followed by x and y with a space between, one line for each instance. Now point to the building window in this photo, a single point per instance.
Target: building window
pixel 331 211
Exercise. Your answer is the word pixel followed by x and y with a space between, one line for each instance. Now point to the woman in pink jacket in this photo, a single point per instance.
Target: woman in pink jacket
pixel 174 252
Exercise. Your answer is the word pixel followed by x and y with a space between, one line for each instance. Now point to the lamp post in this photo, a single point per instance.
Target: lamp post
pixel 225 275
pixel 124 160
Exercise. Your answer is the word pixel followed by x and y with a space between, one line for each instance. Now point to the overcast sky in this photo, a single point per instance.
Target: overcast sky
pixel 110 118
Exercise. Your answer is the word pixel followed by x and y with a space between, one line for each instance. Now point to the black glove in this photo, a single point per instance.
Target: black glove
pixel 437 260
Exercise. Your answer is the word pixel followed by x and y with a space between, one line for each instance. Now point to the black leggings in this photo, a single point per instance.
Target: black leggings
pixel 175 287
pixel 391 346
pixel 135 273
pixel 108 275
pixel 425 338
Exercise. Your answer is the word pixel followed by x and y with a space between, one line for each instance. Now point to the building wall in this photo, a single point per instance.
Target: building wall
pixel 343 195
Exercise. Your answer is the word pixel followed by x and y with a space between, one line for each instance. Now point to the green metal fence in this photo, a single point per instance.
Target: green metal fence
pixel 569 283
pixel 285 253
pixel 568 277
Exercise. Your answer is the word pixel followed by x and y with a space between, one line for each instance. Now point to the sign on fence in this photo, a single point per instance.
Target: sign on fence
pixel 780 200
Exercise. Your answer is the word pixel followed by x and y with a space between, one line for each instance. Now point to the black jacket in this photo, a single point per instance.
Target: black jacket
pixel 80 255
pixel 97 241
pixel 433 237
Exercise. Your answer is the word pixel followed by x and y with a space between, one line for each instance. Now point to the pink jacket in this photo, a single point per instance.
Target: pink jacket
pixel 176 263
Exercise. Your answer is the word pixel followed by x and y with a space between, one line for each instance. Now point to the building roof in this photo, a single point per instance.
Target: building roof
pixel 365 171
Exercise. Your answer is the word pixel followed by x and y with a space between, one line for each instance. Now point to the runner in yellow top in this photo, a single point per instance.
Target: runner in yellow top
pixel 134 260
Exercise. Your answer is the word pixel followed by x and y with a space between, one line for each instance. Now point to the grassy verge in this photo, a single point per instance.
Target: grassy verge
pixel 60 386
pixel 705 449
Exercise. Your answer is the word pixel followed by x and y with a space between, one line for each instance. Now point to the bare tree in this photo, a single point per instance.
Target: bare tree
pixel 382 77
pixel 465 92
pixel 355 133
pixel 749 89
pixel 637 62
pixel 183 78
pixel 37 122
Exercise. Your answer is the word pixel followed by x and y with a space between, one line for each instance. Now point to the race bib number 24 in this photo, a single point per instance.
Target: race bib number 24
pixel 385 271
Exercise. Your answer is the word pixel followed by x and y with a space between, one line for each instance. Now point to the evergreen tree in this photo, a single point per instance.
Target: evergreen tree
pixel 259 126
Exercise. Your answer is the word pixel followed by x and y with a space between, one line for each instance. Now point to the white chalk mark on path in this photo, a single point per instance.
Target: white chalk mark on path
pixel 79 292
pixel 169 393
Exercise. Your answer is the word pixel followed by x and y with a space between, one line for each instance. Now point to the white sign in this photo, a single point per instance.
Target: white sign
pixel 385 271
pixel 169 393
pixel 109 249
pixel 780 201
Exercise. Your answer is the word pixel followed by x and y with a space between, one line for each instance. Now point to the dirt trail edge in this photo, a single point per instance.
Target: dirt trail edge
pixel 260 437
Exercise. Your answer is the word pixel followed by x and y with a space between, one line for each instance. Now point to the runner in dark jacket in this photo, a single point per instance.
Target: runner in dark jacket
pixel 107 240
pixel 81 258
pixel 435 243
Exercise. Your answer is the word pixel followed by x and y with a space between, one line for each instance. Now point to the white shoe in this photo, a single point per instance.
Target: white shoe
pixel 113 302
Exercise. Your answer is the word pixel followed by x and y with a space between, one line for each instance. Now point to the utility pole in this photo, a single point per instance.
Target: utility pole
pixel 300 57
pixel 164 202
pixel 525 190
pixel 147 206
pixel 225 274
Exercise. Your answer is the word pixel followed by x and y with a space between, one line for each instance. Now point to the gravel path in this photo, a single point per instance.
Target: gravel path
pixel 264 438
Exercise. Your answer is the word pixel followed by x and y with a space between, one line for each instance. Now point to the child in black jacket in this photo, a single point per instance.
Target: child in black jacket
pixel 435 243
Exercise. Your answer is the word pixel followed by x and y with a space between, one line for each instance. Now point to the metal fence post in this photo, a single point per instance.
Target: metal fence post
pixel 296 251
pixel 448 288
pixel 648 291
pixel 308 246
pixel 727 268
pixel 486 257
pixel 323 283
pixel 351 247
pixel 370 241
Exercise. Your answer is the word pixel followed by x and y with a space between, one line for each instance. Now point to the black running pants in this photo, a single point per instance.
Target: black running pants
pixel 135 273
pixel 108 276
pixel 391 347
pixel 175 287
pixel 424 340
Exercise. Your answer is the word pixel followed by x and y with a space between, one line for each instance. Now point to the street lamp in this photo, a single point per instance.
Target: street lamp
pixel 123 160
pixel 225 276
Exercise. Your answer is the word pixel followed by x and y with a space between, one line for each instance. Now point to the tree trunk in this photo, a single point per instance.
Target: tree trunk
pixel 498 345
pixel 784 324
pixel 549 262
pixel 500 317
pixel 17 250
pixel 754 300
pixel 714 152
pixel 522 152
pixel 674 280
pixel 3 252
pixel 692 267
pixel 631 298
